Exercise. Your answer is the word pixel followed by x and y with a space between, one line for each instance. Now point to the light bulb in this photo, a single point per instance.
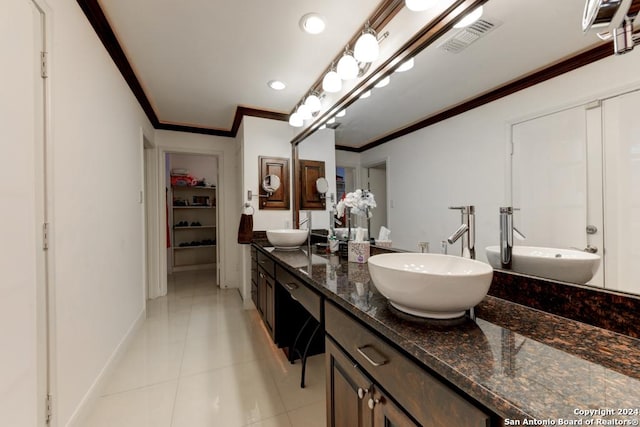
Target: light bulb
pixel 418 5
pixel 295 120
pixel 313 102
pixel 366 48
pixel 276 85
pixel 470 18
pixel 406 66
pixel 347 67
pixel 322 127
pixel 383 82
pixel 341 113
pixel 331 121
pixel 331 82
pixel 365 95
pixel 304 112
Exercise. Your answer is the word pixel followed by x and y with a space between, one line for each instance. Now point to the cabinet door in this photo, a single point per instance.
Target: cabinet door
pixel 347 391
pixel 269 316
pixel 262 292
pixel 386 413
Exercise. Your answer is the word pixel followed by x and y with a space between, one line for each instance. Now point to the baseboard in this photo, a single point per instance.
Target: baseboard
pixel 89 400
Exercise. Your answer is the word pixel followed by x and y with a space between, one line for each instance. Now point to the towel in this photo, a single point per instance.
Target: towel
pixel 245 231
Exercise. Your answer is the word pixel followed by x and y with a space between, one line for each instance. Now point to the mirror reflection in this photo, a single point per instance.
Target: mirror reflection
pixel 271 184
pixel 562 151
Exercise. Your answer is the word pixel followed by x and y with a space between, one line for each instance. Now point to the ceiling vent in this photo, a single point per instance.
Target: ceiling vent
pixel 463 38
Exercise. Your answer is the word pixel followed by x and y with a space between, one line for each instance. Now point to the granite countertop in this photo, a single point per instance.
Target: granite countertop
pixel 518 362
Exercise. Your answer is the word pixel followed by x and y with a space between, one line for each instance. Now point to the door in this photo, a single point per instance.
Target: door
pixel 554 180
pixel 622 192
pixel 377 184
pixel 386 413
pixel 23 306
pixel 348 391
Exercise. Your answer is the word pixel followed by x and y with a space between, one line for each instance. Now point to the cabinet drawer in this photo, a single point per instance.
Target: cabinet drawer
pixel 308 298
pixel 266 264
pixel 428 400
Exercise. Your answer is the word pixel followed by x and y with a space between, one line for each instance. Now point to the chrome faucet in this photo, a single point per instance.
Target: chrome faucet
pixel 307 221
pixel 506 236
pixel 467 231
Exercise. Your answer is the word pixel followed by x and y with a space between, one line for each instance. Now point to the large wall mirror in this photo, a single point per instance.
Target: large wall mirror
pixel 469 158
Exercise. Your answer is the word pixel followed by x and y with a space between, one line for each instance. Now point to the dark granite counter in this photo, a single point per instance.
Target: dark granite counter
pixel 519 362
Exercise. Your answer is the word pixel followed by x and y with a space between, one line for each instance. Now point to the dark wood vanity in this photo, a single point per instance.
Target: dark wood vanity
pixel 386 368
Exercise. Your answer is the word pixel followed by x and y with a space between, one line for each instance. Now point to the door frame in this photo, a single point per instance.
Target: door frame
pixel 160 230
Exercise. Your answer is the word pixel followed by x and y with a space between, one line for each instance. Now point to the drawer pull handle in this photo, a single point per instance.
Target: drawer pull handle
pixel 362 392
pixel 373 402
pixel 379 362
pixel 291 286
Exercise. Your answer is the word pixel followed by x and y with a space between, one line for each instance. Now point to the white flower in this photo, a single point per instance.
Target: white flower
pixel 360 202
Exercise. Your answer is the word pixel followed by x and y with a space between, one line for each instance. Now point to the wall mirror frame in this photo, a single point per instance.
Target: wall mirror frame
pixel 577 60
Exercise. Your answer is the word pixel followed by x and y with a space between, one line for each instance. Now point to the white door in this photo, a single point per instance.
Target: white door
pixel 23 310
pixel 555 178
pixel 621 132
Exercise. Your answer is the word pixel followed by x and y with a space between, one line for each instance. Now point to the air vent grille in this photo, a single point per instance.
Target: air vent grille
pixel 463 38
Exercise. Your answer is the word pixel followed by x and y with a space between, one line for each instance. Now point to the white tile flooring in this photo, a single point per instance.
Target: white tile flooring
pixel 201 360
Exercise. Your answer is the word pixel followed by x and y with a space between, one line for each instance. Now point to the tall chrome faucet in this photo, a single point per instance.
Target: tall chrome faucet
pixel 506 236
pixel 307 221
pixel 467 231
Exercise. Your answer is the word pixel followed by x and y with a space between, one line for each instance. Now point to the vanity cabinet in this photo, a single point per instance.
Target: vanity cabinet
pixel 417 395
pixel 266 291
pixel 352 398
pixel 254 276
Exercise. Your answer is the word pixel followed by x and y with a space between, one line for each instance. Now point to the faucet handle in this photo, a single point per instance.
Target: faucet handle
pixel 465 209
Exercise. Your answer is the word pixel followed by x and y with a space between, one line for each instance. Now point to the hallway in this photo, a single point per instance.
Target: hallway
pixel 201 360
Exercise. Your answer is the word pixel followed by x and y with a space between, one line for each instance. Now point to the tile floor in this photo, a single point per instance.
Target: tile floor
pixel 201 360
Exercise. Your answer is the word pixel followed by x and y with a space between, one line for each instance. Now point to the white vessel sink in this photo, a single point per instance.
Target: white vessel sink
pixel 566 265
pixel 287 238
pixel 430 285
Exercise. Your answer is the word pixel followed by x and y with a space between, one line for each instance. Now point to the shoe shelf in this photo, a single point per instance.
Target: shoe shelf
pixel 193 205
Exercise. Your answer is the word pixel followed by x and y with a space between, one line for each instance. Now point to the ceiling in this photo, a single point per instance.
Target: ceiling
pixel 198 60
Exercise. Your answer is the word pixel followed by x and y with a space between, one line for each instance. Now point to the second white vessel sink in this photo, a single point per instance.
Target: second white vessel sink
pixel 430 285
pixel 566 265
pixel 287 239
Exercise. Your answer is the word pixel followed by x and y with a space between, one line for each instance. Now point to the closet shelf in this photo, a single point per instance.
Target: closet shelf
pixel 194 247
pixel 194 207
pixel 200 227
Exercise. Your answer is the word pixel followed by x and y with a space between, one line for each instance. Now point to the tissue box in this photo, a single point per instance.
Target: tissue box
pixel 358 252
pixel 383 243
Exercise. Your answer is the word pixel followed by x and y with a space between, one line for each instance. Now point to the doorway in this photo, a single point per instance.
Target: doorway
pixel 374 178
pixel 192 212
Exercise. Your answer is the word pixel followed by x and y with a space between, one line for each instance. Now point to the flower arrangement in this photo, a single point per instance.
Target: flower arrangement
pixel 360 202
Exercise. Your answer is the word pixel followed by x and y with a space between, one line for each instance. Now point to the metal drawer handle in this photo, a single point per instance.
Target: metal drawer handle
pixel 373 355
pixel 291 286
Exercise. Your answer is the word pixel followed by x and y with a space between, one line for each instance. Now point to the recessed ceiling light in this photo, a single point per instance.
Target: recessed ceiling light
pixel 312 23
pixel 276 85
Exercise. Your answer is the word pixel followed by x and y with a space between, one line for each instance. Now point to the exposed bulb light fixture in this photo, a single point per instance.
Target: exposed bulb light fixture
pixel 313 102
pixel 312 23
pixel 276 85
pixel 342 113
pixel 405 66
pixel 367 48
pixel 331 82
pixel 365 95
pixel 304 112
pixel 418 5
pixel 295 120
pixel 470 18
pixel 383 82
pixel 347 66
pixel 331 121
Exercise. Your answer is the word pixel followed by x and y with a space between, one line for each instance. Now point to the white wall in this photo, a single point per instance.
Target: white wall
pixel 226 194
pixel 463 160
pixel 321 146
pixel 97 219
pixel 271 138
